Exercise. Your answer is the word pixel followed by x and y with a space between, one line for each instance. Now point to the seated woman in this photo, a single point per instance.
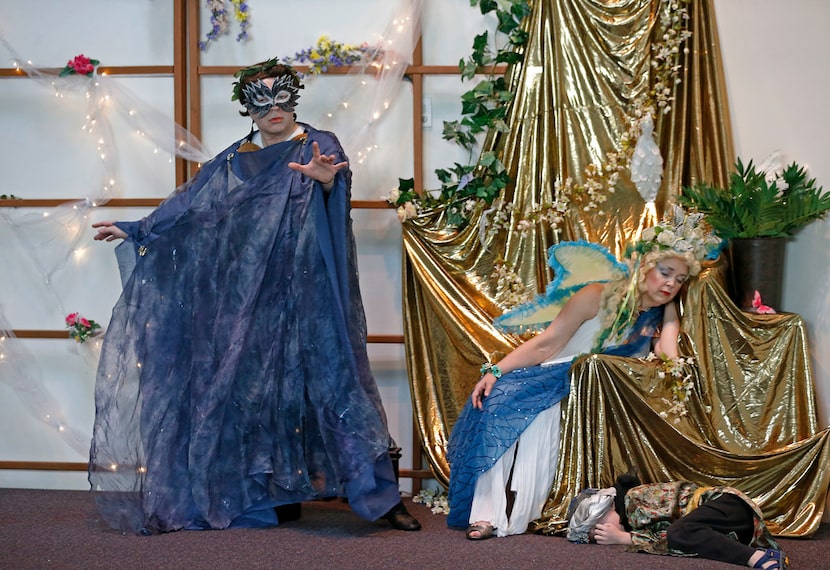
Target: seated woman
pixel 503 448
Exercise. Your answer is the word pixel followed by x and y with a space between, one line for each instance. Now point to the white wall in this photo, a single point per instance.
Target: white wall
pixel 777 85
pixel 775 60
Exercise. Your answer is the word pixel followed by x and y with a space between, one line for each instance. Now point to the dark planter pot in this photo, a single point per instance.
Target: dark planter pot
pixel 757 265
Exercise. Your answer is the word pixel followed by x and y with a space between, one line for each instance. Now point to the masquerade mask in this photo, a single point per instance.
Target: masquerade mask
pixel 259 98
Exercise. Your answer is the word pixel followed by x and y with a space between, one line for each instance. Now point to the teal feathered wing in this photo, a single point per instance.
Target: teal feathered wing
pixel 574 264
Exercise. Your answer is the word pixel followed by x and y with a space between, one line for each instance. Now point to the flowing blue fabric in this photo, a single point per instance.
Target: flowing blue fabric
pixel 234 375
pixel 480 437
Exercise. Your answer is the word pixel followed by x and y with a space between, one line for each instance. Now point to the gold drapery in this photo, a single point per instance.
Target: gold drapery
pixel 751 421
pixel 584 64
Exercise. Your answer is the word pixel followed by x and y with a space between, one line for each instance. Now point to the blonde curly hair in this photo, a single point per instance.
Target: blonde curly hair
pixel 620 299
pixel 682 236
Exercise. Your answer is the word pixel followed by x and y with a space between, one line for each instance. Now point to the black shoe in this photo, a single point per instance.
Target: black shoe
pixel 289 512
pixel 400 518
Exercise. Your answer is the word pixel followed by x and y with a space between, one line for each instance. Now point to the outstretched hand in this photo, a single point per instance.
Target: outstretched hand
pixel 108 231
pixel 321 167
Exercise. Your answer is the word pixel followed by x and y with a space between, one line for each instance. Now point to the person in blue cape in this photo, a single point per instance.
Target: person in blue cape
pixel 503 448
pixel 234 382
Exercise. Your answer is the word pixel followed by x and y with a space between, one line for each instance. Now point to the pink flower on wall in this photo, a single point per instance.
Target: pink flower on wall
pixel 80 64
pixel 80 328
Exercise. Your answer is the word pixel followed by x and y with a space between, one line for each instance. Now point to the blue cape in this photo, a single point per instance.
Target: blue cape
pixel 234 374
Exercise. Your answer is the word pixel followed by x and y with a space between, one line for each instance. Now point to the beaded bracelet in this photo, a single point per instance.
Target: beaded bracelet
pixel 492 369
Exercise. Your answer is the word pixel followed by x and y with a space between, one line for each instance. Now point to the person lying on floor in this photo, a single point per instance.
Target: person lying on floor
pixel 678 518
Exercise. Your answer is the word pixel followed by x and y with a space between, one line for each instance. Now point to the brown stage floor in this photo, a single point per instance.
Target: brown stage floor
pixel 60 529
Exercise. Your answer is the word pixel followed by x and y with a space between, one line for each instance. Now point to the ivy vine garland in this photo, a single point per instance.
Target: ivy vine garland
pixel 484 107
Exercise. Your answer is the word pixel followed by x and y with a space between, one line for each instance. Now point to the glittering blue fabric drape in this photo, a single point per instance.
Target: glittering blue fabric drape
pixel 234 374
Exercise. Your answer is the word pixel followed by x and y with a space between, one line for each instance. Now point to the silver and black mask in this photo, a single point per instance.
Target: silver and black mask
pixel 259 98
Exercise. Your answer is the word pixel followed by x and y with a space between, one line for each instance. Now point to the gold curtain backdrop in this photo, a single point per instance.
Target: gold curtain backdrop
pixel 584 64
pixel 751 420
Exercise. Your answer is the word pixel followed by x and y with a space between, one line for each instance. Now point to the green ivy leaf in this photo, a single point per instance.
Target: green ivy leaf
pixel 485 5
pixel 406 184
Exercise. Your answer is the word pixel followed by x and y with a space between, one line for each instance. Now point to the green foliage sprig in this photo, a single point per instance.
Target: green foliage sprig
pixel 483 108
pixel 758 203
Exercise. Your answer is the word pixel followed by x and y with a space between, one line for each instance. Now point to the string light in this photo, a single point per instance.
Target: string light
pixel 101 98
pixel 99 106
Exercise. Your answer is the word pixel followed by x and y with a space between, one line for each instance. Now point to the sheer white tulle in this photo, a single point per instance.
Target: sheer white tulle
pixel 51 239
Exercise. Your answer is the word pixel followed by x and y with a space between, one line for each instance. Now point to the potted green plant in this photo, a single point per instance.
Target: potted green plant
pixel 758 211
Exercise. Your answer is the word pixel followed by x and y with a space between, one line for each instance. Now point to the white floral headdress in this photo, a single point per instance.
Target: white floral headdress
pixel 684 233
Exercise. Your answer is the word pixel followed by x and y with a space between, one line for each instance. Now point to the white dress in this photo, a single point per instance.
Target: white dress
pixel 533 459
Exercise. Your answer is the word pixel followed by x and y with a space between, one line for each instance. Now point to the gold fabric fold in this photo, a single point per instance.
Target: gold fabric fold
pixel 696 137
pixel 751 421
pixel 584 64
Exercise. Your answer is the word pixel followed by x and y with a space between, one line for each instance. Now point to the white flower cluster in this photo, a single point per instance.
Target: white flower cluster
pixel 406 210
pixel 600 182
pixel 509 281
pixel 679 375
pixel 683 233
pixel 667 55
pixel 434 499
pixel 501 217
